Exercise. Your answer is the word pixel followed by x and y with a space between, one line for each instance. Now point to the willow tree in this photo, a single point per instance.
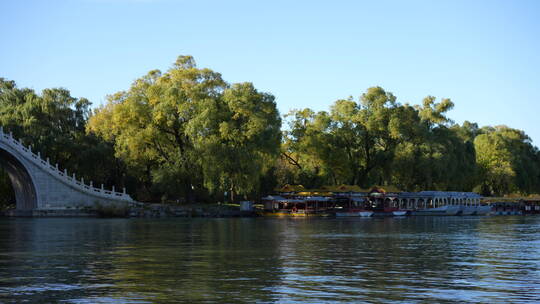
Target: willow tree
pixel 353 143
pixel 446 161
pixel 53 122
pixel 508 161
pixel 187 130
pixel 238 139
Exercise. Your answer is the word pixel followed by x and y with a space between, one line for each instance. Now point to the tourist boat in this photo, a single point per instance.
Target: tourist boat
pixel 279 206
pixel 505 208
pixel 384 204
pixel 467 210
pixel 442 203
pixel 366 213
pixel 352 206
pixel 372 204
pixel 474 210
pixel 354 213
pixel 399 212
pixel 483 210
pixel 377 202
pixel 389 211
pixel 443 210
pixel 530 205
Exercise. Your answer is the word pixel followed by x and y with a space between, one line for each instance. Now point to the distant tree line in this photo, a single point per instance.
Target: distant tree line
pixel 187 135
pixel 377 141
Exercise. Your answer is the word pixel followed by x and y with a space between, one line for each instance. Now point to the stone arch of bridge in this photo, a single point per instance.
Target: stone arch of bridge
pixel 21 180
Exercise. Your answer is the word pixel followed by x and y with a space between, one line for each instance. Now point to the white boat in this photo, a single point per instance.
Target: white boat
pixel 354 213
pixel 467 210
pixel 347 214
pixel 399 213
pixel 443 210
pixel 483 210
pixel 475 210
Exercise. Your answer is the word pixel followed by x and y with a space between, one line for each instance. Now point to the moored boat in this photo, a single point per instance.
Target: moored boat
pixel 467 210
pixel 399 212
pixel 377 202
pixel 483 210
pixel 354 213
pixel 443 210
pixel 280 206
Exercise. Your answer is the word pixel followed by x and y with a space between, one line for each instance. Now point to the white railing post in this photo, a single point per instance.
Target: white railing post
pixel 65 172
pixel 82 180
pixel 113 188
pixel 39 155
pixel 102 187
pixel 124 190
pixel 74 179
pixel 91 184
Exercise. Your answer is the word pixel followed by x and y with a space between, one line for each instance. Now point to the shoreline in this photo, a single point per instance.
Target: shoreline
pixel 145 211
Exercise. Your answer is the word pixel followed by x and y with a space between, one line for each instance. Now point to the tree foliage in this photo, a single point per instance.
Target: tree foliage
pixel 379 141
pixel 187 134
pixel 187 130
pixel 508 161
pixel 53 123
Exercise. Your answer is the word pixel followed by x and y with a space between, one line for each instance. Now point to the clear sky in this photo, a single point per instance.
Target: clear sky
pixel 484 55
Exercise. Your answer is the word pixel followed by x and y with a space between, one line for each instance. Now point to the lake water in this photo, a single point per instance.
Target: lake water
pixel 257 260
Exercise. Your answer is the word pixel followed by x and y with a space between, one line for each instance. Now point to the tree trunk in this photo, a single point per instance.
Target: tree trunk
pixel 232 194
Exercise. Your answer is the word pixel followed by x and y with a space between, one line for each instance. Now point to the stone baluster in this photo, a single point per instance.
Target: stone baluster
pixel 113 188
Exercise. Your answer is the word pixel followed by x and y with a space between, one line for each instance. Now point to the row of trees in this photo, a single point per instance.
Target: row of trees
pixel 187 134
pixel 377 141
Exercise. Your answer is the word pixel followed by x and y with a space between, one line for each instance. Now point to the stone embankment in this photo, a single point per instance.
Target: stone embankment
pixel 137 210
pixel 161 210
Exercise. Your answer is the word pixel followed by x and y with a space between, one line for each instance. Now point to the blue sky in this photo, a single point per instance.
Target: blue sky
pixel 484 55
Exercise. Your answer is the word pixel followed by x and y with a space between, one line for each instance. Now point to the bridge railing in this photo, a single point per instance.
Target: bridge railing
pixel 62 175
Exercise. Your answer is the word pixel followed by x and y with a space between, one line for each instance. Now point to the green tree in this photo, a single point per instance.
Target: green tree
pixel 508 161
pixel 353 144
pixel 53 123
pixel 239 139
pixel 187 130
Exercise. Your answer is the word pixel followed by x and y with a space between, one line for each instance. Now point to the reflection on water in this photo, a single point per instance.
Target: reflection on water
pixel 420 259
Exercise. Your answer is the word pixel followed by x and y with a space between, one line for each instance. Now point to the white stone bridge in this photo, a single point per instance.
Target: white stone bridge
pixel 41 187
